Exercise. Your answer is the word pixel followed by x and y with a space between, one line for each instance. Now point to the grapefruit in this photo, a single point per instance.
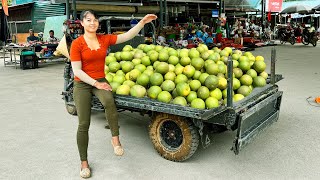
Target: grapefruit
pixel 156 79
pixel 252 73
pixel 197 63
pixel 162 68
pixel 181 78
pixel 212 102
pixel 203 92
pixel 198 104
pixel 196 75
pixel 153 92
pixel 174 60
pixel 259 66
pixel 192 95
pixel 180 101
pixel 246 80
pixel 258 81
pixel 143 80
pixel 164 96
pixel 129 83
pixel 138 91
pixel 264 75
pixel 195 85
pixel 237 97
pixel 127 66
pixel 114 86
pixel 170 76
pixel 110 59
pixel 114 67
pixel 244 90
pixel 134 74
pixel 185 61
pixel 168 85
pixel 189 71
pixel 216 93
pixel 123 90
pixel 211 82
pixel 183 89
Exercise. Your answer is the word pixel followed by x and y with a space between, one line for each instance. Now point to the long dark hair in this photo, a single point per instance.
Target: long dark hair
pixel 86 12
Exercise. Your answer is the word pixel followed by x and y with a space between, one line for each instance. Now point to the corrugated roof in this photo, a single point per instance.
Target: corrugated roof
pixel 42 10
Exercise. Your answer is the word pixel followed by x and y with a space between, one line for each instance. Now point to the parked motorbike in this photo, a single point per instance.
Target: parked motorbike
pixel 309 36
pixel 286 35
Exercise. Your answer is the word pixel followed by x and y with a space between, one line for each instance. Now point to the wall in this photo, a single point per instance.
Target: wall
pixel 22 37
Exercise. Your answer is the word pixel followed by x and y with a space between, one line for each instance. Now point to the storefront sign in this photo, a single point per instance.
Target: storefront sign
pixel 275 5
pixel 5 7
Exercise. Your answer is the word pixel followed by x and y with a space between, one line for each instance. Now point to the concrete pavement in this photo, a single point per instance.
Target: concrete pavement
pixel 38 136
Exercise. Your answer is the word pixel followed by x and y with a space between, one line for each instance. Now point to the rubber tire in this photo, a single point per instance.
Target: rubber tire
pixel 190 142
pixel 292 40
pixel 314 42
pixel 71 109
pixel 303 41
pixel 282 40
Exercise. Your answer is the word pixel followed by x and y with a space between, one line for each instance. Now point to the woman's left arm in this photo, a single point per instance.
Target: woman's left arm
pixel 136 29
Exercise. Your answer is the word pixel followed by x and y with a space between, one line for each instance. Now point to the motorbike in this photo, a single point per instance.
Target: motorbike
pixel 286 35
pixel 309 36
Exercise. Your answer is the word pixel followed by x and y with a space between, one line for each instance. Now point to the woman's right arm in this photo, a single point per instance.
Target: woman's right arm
pixel 77 71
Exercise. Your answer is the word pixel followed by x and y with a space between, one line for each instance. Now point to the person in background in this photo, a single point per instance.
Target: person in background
pixel 51 37
pixel 32 38
pixel 87 55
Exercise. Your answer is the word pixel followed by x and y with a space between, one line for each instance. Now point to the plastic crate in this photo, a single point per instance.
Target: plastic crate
pixel 28 61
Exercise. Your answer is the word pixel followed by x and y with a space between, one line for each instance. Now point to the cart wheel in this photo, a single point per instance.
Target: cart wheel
pixel 174 138
pixel 71 109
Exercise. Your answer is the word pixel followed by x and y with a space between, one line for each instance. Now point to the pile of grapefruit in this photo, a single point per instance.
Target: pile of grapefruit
pixel 188 77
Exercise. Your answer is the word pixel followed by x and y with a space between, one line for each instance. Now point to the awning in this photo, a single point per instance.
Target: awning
pixel 241 4
pixel 19 6
pixel 191 1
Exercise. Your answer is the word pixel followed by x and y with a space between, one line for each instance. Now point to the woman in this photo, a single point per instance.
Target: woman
pixel 87 56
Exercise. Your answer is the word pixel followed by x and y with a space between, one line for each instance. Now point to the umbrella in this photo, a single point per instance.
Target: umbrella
pixel 317 8
pixel 302 9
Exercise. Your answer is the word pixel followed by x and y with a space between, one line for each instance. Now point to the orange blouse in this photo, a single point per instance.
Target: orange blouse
pixel 93 61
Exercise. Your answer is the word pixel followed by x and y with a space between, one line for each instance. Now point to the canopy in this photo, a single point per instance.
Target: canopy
pixel 317 8
pixel 302 9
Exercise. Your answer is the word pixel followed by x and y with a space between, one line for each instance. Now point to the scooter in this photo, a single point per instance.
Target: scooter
pixel 286 35
pixel 309 36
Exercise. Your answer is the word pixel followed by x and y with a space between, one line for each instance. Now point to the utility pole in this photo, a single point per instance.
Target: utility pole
pixel 67 9
pixel 263 12
pixel 74 9
pixel 220 7
pixel 161 14
pixel 165 13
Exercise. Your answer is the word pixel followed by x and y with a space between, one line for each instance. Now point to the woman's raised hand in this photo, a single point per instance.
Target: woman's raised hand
pixel 148 18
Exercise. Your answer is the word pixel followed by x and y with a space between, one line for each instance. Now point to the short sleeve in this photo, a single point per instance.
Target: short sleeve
pixel 75 51
pixel 110 39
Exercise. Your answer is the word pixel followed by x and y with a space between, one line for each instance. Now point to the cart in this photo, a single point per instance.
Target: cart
pixel 177 131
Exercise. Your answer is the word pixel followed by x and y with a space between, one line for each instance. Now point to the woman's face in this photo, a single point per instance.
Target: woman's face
pixel 90 23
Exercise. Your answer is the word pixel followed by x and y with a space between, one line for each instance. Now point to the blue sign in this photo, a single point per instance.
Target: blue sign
pixel 215 13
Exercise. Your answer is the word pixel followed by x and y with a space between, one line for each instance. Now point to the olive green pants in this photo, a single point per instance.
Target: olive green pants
pixel 82 95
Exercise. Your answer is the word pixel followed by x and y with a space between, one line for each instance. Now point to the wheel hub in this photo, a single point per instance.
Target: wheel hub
pixel 171 134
